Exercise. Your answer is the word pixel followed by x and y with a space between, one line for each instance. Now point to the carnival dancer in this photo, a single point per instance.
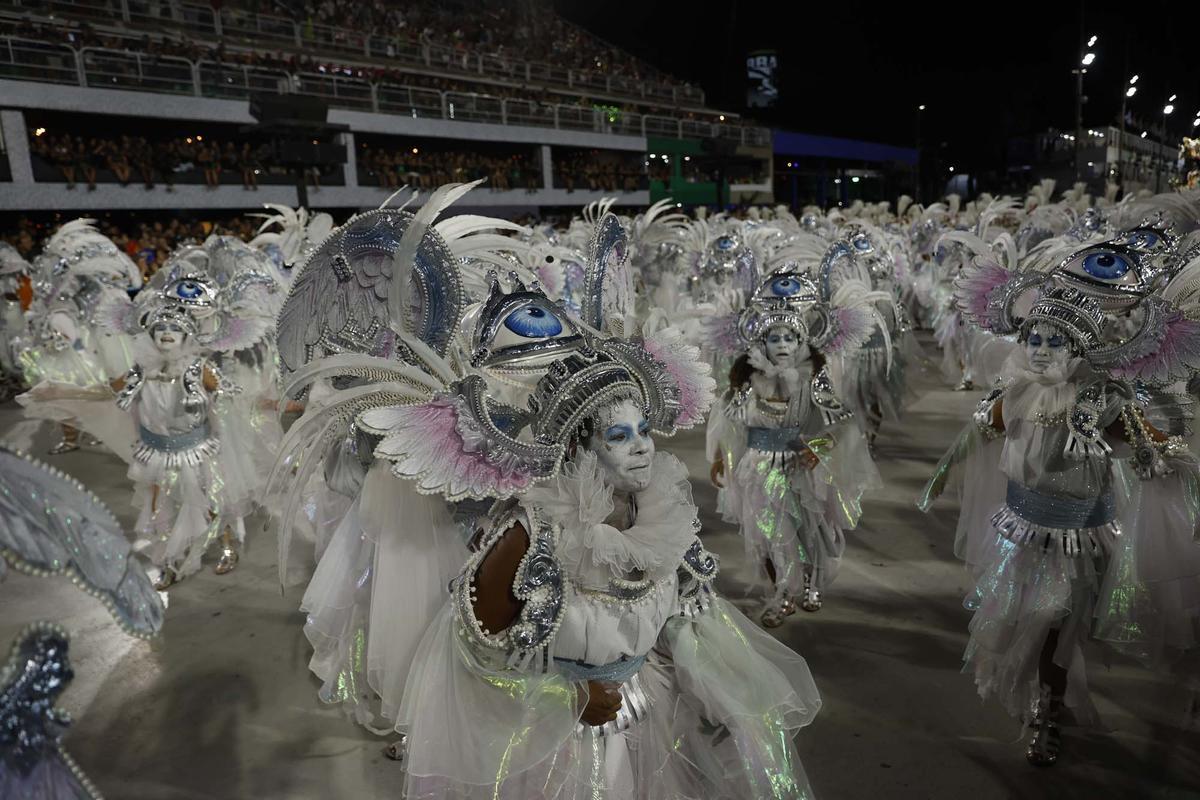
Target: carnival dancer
pixel 1066 544
pixel 586 603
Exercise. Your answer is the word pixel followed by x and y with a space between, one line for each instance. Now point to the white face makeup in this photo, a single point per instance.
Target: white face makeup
pixel 168 338
pixel 781 344
pixel 623 446
pixel 1047 347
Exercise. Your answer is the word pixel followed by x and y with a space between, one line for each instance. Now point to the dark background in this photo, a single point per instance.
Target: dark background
pixel 986 71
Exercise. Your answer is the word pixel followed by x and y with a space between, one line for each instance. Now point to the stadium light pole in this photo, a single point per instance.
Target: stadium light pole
pixel 1130 91
pixel 1089 57
pixel 917 190
pixel 1168 109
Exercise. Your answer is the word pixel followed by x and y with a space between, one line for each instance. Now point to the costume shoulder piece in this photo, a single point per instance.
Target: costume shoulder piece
pixel 539 583
pixel 696 573
pixel 833 410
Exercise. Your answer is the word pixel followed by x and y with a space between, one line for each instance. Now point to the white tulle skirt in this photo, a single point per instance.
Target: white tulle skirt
pixel 1150 598
pixel 380 581
pixel 709 732
pixel 1024 592
pixel 795 517
pixel 77 366
pixel 179 511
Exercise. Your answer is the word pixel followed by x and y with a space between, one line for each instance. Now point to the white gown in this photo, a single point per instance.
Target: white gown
pixel 497 715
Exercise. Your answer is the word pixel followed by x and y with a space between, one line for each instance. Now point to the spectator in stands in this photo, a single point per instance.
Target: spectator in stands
pixel 247 162
pixel 62 152
pixel 210 161
pixel 164 160
pixel 118 161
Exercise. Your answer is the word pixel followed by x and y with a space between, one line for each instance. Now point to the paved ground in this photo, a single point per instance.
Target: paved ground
pixel 221 706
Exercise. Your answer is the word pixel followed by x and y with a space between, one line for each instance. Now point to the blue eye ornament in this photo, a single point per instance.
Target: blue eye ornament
pixel 1113 273
pixel 1106 265
pixel 1143 239
pixel 725 243
pixel 188 290
pixel 785 286
pixel 521 329
pixel 533 322
pixel 862 243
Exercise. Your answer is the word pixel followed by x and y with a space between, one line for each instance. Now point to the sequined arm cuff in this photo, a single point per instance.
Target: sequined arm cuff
pixel 833 410
pixel 539 584
pixel 985 413
pixel 697 572
pixel 1085 439
pixel 133 385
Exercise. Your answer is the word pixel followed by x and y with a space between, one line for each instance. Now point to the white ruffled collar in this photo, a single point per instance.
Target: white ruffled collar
pixel 1042 395
pixel 580 501
pixel 787 377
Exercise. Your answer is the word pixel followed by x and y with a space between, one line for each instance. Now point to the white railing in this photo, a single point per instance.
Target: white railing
pixel 265 30
pixel 24 59
pixel 30 60
pixel 120 69
pixel 238 81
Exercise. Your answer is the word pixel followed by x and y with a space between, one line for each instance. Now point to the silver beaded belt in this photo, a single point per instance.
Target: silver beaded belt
pixel 1059 512
pixel 772 440
pixel 617 671
pixel 174 442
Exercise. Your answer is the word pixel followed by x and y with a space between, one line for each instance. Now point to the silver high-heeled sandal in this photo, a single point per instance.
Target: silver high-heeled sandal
pixel 1047 738
pixel 228 560
pixel 811 601
pixel 397 750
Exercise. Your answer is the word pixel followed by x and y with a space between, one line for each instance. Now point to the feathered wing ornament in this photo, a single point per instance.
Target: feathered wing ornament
pixel 1166 347
pixel 452 445
pixel 236 333
pixel 116 314
pixel 607 302
pixel 349 297
pixel 50 524
pixel 403 305
pixel 851 318
pixel 722 333
pixel 684 369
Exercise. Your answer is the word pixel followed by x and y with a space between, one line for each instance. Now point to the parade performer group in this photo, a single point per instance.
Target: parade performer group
pixel 544 619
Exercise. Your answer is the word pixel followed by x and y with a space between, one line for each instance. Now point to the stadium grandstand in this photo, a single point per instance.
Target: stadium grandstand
pixel 128 104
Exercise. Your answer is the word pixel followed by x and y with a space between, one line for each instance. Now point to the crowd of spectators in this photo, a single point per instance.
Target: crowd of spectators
pixel 81 158
pixel 298 64
pixel 511 43
pixel 516 31
pixel 427 169
pixel 594 171
pixel 149 243
pixel 167 160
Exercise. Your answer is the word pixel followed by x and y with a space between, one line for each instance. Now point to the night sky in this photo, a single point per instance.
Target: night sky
pixel 986 71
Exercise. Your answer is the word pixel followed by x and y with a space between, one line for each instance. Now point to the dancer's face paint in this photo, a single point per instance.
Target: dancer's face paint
pixel 623 446
pixel 781 344
pixel 1046 347
pixel 168 338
